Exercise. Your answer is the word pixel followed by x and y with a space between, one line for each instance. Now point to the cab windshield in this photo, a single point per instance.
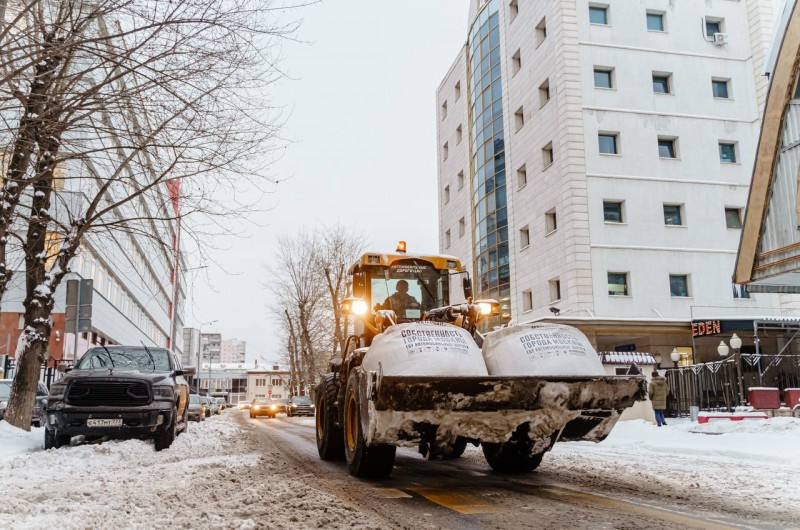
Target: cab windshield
pixel 409 288
pixel 126 358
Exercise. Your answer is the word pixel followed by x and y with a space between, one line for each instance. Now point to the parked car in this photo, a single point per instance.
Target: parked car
pixel 266 407
pixel 197 409
pixel 119 392
pixel 300 406
pixel 243 405
pixel 207 401
pixel 220 403
pixel 38 419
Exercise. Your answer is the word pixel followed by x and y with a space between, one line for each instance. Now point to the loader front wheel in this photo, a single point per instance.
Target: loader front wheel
pixel 511 457
pixel 363 461
pixel 329 436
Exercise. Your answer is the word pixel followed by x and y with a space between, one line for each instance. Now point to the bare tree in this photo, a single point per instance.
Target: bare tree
pixel 124 118
pixel 308 282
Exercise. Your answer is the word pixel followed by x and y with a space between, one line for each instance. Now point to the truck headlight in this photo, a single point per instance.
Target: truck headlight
pixel 163 392
pixel 57 391
pixel 273 407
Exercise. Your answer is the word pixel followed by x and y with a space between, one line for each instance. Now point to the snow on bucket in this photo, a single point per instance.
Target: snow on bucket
pixel 540 349
pixel 423 349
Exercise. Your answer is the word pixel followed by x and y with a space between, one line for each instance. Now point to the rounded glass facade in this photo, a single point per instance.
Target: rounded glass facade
pixel 488 167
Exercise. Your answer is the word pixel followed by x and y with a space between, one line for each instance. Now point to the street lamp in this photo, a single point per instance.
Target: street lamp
pixel 675 356
pixel 723 349
pixel 736 344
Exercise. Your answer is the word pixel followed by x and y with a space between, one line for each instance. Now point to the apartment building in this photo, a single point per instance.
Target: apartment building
pixel 211 347
pixel 594 160
pixel 233 351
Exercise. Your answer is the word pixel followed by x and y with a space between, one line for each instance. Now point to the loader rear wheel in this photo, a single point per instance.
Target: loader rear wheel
pixel 364 461
pixel 330 438
pixel 459 447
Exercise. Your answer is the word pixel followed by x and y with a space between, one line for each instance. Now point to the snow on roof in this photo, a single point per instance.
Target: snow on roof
pixel 626 357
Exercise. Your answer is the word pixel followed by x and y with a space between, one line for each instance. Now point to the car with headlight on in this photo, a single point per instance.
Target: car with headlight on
pixel 266 407
pixel 300 406
pixel 119 392
pixel 243 405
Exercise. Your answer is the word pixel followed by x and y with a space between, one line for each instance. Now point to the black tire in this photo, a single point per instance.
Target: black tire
pixel 252 416
pixel 52 440
pixel 330 437
pixel 363 461
pixel 164 439
pixel 185 427
pixel 459 447
pixel 513 456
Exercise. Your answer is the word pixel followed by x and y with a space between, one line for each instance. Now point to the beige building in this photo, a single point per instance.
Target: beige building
pixel 264 383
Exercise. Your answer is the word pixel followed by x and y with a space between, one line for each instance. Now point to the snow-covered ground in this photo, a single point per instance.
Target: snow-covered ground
pixel 745 467
pixel 211 477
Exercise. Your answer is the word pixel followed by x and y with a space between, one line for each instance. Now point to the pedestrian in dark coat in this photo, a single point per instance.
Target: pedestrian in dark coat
pixel 658 390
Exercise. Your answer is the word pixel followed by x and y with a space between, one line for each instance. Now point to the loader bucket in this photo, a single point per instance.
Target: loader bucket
pixel 405 410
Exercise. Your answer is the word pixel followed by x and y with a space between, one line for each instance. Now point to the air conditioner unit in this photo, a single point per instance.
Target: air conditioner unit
pixel 720 39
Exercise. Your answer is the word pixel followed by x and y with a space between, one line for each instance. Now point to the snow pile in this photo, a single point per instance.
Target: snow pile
pixel 14 442
pixel 212 477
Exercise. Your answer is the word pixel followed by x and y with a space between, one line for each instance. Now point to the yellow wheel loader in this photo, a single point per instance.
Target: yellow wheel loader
pixel 418 372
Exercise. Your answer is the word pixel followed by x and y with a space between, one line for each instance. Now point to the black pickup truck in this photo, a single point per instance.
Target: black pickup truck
pixel 119 392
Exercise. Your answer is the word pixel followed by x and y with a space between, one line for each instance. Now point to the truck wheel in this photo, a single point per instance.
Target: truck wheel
pixel 459 447
pixel 330 438
pixel 363 461
pixel 511 457
pixel 53 440
pixel 165 438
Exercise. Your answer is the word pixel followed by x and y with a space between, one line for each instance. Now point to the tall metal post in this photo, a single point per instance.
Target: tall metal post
pixel 739 375
pixel 77 322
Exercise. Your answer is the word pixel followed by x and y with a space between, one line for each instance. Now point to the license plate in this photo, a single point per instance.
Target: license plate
pixel 104 423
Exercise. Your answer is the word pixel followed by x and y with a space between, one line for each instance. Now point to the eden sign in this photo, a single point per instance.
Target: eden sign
pixel 709 327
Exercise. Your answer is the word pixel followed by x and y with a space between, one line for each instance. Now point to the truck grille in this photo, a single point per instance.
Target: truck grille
pixel 108 393
pixel 303 409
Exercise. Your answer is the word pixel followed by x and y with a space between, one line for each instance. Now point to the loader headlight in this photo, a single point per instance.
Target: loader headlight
pixel 354 306
pixel 488 307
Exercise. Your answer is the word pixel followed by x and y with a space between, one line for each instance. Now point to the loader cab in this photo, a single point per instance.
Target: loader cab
pixel 409 285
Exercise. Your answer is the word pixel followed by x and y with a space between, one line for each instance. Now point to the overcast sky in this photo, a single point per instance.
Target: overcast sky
pixel 361 109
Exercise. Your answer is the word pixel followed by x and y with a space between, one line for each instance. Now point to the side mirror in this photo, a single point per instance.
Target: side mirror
pixel 62 368
pixel 467 284
pixel 177 373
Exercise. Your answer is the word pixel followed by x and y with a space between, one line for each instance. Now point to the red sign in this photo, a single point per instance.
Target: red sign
pixel 711 327
pixel 269 392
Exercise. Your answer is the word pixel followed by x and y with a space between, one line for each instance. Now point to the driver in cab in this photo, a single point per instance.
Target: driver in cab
pixel 401 300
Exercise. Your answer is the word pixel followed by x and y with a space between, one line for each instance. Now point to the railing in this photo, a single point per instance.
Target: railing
pixel 48 372
pixel 724 384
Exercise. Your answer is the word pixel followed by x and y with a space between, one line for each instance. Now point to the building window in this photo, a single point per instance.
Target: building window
pixel 612 212
pixel 516 62
pixel 661 83
pixel 519 118
pixel 459 135
pixel 550 222
pixel 733 218
pixel 462 227
pixel 607 142
pixel 522 176
pixel 527 300
pixel 714 25
pixel 461 179
pixel 513 8
pixel 727 152
pixel 740 291
pixel 444 110
pixel 666 148
pixel 447 194
pixel 673 214
pixel 618 284
pixel 547 155
pixel 458 90
pixel 541 31
pixel 655 21
pixel 447 240
pixel 555 290
pixel 544 93
pixel 445 150
pixel 679 285
pixel 598 14
pixel 21 321
pixel 603 78
pixel 720 88
pixel 524 237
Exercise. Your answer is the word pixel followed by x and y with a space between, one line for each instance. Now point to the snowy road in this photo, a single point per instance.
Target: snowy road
pixel 234 472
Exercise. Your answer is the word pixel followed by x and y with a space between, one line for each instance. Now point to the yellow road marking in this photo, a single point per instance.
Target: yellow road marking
pixel 458 502
pixel 392 493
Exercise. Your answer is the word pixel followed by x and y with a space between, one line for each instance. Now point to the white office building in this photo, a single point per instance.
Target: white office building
pixel 594 160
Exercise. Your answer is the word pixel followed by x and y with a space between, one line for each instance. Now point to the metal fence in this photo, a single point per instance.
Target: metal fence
pixel 48 373
pixel 723 385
